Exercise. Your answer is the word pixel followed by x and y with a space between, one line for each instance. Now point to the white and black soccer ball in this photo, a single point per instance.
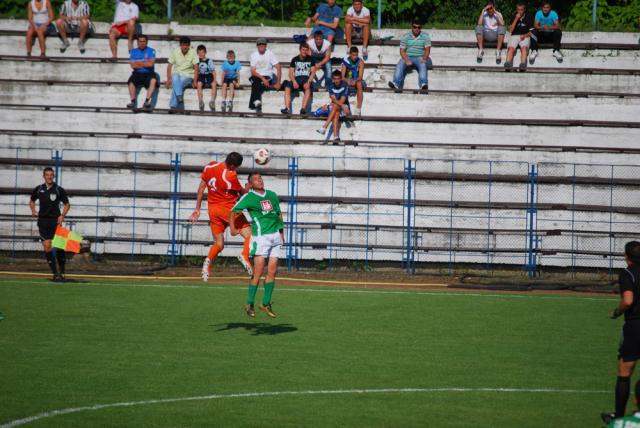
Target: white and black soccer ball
pixel 262 156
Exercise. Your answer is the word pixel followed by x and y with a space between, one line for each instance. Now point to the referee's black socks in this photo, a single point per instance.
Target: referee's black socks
pixel 61 256
pixel 623 385
pixel 51 261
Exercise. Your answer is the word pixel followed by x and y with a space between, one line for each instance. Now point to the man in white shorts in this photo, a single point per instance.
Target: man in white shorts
pixel 520 30
pixel 262 209
pixel 358 23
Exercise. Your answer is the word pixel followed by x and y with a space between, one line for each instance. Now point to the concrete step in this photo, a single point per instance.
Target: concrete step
pixel 277 127
pixel 375 103
pixel 388 55
pixel 253 32
pixel 478 80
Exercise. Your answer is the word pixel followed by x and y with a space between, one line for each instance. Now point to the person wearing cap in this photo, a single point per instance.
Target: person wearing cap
pixel 265 74
pixel 182 72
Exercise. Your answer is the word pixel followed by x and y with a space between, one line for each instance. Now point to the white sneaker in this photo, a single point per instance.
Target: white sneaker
pixel 558 55
pixel 245 265
pixel 321 131
pixel 205 269
pixel 257 104
pixel 356 111
pixel 533 56
pixel 498 57
pixel 480 55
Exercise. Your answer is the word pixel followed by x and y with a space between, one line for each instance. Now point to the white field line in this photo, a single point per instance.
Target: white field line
pixel 433 293
pixel 59 412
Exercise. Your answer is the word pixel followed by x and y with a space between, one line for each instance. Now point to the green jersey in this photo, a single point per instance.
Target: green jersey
pixel 626 422
pixel 263 211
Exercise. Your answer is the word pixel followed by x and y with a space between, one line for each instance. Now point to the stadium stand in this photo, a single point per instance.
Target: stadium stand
pixel 492 125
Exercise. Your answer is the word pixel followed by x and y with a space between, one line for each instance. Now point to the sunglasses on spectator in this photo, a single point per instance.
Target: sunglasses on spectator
pixel 417 26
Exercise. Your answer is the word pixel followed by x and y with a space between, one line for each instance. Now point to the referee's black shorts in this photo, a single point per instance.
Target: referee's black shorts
pixel 47 227
pixel 630 342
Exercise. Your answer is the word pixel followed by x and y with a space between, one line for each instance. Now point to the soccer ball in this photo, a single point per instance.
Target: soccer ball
pixel 261 156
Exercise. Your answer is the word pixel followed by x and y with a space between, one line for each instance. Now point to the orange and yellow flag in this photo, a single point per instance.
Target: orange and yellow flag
pixel 67 240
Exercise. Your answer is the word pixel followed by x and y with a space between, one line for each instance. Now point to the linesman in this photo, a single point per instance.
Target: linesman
pixel 629 351
pixel 50 196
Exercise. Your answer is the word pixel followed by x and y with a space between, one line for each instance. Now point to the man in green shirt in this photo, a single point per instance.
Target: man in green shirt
pixel 182 72
pixel 415 48
pixel 262 209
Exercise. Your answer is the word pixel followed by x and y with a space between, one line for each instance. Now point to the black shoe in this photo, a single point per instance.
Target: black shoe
pixel 303 112
pixel 523 66
pixel 57 278
pixel 132 105
pixel 147 105
pixel 61 278
pixel 424 89
pixel 250 310
pixel 267 310
pixel 394 87
pixel 285 111
pixel 607 417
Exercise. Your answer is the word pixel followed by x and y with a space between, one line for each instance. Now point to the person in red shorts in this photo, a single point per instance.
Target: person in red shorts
pixel 124 24
pixel 223 189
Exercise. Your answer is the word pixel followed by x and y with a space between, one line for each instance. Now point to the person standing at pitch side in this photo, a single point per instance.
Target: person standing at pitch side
pixel 50 196
pixel 629 351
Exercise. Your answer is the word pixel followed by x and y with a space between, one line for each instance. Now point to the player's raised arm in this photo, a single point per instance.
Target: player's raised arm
pixel 196 214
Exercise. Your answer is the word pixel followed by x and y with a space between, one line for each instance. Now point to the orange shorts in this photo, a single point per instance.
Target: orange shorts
pixel 219 219
pixel 122 29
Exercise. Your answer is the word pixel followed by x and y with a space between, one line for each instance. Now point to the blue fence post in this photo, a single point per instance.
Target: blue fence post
pixel 98 165
pixel 488 267
pixel 414 233
pixel 408 247
pixel 175 163
pixel 611 238
pixel 331 227
pixel 451 206
pixel 292 209
pixel 133 214
pixel 56 158
pixel 531 259
pixel 366 232
pixel 15 204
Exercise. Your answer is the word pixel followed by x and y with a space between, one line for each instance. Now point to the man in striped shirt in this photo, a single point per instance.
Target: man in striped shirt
pixel 415 47
pixel 74 20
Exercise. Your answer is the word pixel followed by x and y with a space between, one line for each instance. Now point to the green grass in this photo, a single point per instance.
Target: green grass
pixel 73 345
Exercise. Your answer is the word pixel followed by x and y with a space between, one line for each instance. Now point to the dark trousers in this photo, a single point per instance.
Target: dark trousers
pixel 257 89
pixel 538 36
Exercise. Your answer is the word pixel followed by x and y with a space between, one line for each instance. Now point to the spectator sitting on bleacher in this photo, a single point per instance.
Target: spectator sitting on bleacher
pixel 206 78
pixel 520 30
pixel 265 74
pixel 326 19
pixel 546 30
pixel 40 15
pixel 415 48
pixel 357 22
pixel 124 24
pixel 142 60
pixel 321 52
pixel 301 71
pixel 230 80
pixel 338 94
pixel 490 29
pixel 353 76
pixel 74 21
pixel 182 72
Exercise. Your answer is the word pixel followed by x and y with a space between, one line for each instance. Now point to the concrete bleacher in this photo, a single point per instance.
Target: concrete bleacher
pixel 584 110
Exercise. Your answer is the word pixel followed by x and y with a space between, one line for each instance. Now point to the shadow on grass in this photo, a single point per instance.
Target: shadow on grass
pixel 257 329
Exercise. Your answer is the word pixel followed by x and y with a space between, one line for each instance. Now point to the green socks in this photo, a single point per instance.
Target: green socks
pixel 251 296
pixel 268 292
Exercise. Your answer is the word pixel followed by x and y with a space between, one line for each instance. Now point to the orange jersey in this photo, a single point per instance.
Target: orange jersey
pixel 223 186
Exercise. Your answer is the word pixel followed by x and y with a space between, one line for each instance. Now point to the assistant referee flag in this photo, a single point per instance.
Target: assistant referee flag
pixel 67 240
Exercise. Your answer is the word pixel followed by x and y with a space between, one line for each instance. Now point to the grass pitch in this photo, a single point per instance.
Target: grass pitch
pixel 344 357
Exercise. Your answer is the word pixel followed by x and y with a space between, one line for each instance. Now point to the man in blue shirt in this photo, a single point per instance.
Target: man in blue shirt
pixel 142 60
pixel 546 29
pixel 326 19
pixel 339 96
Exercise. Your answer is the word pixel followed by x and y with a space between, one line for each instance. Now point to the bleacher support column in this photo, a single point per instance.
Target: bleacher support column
pixel 292 251
pixel 531 265
pixel 175 164
pixel 57 159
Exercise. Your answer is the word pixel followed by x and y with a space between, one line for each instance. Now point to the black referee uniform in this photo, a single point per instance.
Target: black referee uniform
pixel 50 199
pixel 630 344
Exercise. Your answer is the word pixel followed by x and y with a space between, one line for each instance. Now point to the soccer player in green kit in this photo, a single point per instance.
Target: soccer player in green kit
pixel 262 209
